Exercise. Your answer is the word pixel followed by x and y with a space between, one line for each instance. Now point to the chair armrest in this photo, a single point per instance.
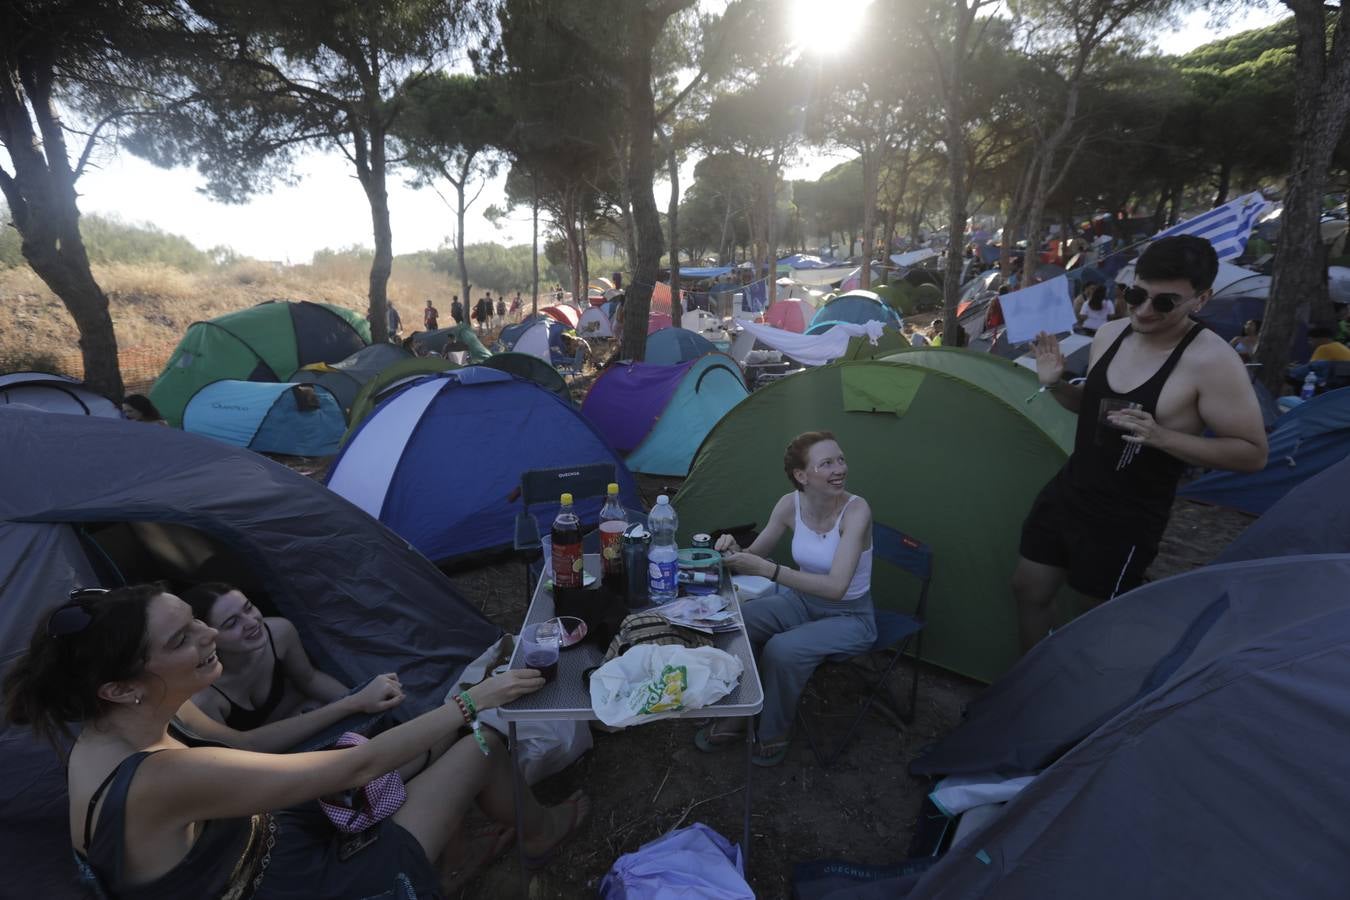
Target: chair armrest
pixel 527 533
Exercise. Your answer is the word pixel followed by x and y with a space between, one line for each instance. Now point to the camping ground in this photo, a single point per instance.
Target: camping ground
pixel 648 780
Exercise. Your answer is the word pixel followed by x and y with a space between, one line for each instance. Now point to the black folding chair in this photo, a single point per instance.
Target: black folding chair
pixel 894 631
pixel 545 486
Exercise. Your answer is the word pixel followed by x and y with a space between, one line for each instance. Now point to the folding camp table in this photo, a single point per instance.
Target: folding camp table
pixel 566 698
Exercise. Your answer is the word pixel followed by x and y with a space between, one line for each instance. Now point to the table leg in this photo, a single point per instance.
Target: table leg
pixel 518 794
pixel 749 772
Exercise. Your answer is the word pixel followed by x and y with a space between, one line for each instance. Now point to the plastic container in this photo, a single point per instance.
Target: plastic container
pixel 1309 387
pixel 613 523
pixel 635 541
pixel 567 558
pixel 663 556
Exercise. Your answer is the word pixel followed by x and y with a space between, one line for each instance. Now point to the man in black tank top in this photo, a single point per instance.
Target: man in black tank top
pixel 1162 392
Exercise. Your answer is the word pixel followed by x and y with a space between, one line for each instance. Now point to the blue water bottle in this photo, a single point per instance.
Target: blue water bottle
pixel 663 557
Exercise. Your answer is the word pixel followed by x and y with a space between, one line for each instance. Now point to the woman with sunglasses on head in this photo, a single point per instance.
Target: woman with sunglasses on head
pixel 1162 392
pixel 819 609
pixel 152 818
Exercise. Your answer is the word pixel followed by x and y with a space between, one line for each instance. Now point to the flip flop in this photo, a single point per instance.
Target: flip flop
pixel 485 844
pixel 771 754
pixel 710 740
pixel 534 863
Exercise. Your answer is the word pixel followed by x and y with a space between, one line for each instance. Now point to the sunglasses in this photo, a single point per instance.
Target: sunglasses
pixel 72 618
pixel 1162 303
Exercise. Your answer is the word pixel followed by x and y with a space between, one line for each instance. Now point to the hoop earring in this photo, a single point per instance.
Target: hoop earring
pixel 138 700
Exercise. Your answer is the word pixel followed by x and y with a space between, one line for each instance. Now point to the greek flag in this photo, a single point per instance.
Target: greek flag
pixel 1226 227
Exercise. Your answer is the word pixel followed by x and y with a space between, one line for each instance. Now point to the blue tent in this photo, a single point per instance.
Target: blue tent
pixel 659 415
pixel 362 600
pixel 698 273
pixel 855 307
pixel 440 461
pixel 506 341
pixel 1306 440
pixel 1188 741
pixel 297 419
pixel 669 346
pixel 1312 518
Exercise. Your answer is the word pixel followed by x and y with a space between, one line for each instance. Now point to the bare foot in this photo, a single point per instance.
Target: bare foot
pixel 468 852
pixel 563 820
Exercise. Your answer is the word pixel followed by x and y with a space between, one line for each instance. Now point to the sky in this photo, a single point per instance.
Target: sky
pixel 327 208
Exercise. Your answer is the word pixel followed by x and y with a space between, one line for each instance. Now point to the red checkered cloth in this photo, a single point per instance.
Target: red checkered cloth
pixel 357 810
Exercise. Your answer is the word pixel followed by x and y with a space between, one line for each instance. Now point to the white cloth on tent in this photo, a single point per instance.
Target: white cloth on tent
pixel 535 342
pixel 957 793
pixel 1041 307
pixel 812 349
pixel 913 257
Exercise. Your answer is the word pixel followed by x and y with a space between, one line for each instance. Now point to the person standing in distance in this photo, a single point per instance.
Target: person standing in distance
pixel 431 316
pixel 1162 392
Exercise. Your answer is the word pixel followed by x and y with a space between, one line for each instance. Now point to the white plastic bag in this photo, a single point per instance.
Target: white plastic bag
pixel 546 748
pixel 654 681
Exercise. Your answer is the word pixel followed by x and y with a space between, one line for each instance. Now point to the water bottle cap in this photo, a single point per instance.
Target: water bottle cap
pixel 612 490
pixel 662 500
pixel 566 499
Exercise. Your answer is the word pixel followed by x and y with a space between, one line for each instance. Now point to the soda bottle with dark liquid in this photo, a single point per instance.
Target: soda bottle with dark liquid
pixel 613 523
pixel 568 562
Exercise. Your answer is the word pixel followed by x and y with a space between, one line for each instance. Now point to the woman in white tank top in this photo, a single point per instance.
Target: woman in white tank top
pixel 818 609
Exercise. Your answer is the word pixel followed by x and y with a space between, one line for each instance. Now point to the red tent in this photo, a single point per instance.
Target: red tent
pixel 790 314
pixel 564 314
pixel 658 320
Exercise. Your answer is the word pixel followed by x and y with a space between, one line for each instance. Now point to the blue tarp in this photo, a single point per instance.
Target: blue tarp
pixel 806 261
pixel 704 271
pixel 1306 440
pixel 294 419
pixel 488 428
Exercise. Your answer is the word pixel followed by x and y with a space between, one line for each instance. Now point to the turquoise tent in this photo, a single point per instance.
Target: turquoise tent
pixel 658 415
pixel 294 419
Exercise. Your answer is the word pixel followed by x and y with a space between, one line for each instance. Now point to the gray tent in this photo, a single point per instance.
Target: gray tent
pixel 86 501
pixel 55 393
pixel 1194 734
pixel 1314 517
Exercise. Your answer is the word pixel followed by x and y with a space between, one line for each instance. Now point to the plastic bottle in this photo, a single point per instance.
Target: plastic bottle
pixel 613 523
pixel 1309 386
pixel 663 557
pixel 567 558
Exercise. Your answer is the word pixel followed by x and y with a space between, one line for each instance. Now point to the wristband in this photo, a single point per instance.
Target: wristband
pixel 774 576
pixel 470 713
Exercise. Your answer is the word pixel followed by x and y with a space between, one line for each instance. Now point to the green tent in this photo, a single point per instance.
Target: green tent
pixel 531 368
pixel 390 376
pixel 267 342
pixel 942 443
pixel 456 337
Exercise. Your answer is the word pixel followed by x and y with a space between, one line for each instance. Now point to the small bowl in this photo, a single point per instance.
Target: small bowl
pixel 573 630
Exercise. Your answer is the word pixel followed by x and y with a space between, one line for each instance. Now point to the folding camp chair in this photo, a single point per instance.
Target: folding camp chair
pixel 545 486
pixel 894 631
pixel 572 367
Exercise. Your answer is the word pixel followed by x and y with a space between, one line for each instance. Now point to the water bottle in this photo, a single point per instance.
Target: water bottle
pixel 1309 386
pixel 613 523
pixel 663 558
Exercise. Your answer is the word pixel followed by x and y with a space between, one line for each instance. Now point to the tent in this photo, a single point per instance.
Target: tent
pixel 1190 736
pixel 790 315
pixel 542 339
pixel 595 323
pixel 295 419
pixel 440 460
pixel 531 368
pixel 160 503
pixel 389 379
pixel 656 321
pixel 267 342
pixel 855 308
pixel 676 345
pixel 506 339
pixel 1312 518
pixel 658 415
pixel 960 418
pixel 565 314
pixel 345 378
pixel 55 393
pixel 459 337
pixel 1309 438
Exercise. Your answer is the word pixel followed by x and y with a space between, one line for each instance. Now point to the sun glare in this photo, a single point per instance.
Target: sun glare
pixel 825 26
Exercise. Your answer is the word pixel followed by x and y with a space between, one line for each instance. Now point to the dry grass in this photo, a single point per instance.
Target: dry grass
pixel 152 305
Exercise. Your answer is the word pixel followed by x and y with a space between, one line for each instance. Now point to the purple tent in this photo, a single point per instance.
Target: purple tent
pixel 625 402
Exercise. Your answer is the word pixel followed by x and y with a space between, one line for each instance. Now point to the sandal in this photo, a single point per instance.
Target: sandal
pixel 484 845
pixel 770 754
pixel 579 816
pixel 710 740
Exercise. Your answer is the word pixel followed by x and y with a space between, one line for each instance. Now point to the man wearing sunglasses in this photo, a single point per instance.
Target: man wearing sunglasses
pixel 1161 392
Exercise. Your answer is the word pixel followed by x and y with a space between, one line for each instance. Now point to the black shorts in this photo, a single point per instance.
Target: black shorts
pixel 1101 556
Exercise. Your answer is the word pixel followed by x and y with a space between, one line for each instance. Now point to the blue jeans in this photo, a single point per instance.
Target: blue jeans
pixel 792 634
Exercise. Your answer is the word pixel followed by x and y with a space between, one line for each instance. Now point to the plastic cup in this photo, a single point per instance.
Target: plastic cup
pixel 541 646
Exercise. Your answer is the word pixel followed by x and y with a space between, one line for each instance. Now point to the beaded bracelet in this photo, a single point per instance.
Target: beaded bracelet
pixel 470 713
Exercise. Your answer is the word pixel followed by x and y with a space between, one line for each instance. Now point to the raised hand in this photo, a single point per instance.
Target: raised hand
pixel 1049 359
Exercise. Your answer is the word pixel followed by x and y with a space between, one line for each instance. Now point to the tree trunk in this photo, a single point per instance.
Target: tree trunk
pixel 673 218
pixel 1321 104
pixel 641 173
pixel 1225 182
pixel 869 192
pixel 43 205
pixel 371 169
pixel 584 288
pixel 459 250
pixel 726 229
pixel 534 250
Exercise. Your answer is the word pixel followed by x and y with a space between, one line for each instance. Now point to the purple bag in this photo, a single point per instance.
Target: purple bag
pixel 368 804
pixel 692 862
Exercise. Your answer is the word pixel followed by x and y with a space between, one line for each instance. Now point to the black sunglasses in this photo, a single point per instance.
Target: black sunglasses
pixel 72 618
pixel 1162 303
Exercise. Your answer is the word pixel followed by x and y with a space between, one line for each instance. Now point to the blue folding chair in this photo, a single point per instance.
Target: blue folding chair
pixel 894 632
